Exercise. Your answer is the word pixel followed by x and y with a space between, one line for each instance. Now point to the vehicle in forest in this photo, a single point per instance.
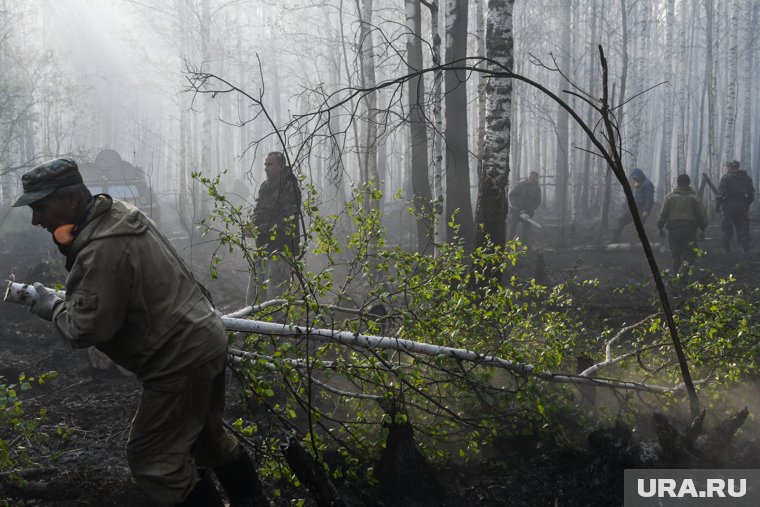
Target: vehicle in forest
pixel 111 175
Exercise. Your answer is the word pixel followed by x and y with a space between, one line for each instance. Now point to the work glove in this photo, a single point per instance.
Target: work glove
pixel 662 232
pixel 46 302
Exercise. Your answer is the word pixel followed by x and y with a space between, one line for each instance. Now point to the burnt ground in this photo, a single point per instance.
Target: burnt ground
pixel 92 408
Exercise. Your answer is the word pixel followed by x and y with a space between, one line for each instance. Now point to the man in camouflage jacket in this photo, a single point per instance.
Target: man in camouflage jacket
pixel 275 222
pixel 129 294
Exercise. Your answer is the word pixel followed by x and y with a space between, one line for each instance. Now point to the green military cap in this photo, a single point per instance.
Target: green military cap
pixel 46 178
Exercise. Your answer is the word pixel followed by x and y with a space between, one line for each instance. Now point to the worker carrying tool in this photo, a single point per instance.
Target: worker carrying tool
pixel 524 199
pixel 131 295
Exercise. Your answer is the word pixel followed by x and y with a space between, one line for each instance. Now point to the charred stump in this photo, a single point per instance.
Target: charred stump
pixel 540 274
pixel 311 474
pixel 692 447
pixel 403 472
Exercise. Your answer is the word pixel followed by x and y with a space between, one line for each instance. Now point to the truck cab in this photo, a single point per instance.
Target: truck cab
pixel 111 175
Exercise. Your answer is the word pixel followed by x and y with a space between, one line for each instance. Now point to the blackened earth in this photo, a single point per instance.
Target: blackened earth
pixel 92 409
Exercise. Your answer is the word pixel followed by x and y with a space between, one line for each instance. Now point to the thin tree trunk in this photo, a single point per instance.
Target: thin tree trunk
pixel 711 85
pixel 562 167
pixel 589 161
pixel 748 30
pixel 421 192
pixel 439 226
pixel 729 134
pixel 457 153
pixel 368 144
pixel 667 130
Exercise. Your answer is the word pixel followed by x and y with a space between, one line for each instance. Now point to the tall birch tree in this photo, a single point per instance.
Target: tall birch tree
pixel 667 127
pixel 491 214
pixel 710 85
pixel 733 73
pixel 562 165
pixel 749 33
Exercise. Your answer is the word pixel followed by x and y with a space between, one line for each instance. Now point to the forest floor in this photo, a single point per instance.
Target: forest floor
pixel 93 408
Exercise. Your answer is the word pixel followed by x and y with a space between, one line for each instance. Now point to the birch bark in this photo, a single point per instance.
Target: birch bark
pixel 733 71
pixel 491 213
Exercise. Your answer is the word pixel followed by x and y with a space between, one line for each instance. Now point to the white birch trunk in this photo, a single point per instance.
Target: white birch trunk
pixel 667 129
pixel 412 347
pixel 562 165
pixel 26 294
pixel 206 140
pixel 439 231
pixel 733 67
pixel 748 32
pixel 683 70
pixel 711 86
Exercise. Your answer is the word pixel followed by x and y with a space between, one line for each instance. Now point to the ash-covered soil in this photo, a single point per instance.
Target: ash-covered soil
pixel 86 464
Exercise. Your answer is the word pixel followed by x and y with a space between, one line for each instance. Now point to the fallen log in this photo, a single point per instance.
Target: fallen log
pixel 20 293
pixel 413 347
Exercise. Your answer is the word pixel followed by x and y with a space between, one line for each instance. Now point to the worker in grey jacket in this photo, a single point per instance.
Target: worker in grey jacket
pixel 131 295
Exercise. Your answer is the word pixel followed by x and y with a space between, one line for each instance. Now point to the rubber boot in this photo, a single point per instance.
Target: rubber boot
pixel 241 483
pixel 204 494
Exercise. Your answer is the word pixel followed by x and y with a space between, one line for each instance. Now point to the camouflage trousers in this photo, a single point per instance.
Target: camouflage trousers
pixel 178 429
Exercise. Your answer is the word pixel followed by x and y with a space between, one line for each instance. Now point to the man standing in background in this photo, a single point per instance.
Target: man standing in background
pixel 275 227
pixel 735 194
